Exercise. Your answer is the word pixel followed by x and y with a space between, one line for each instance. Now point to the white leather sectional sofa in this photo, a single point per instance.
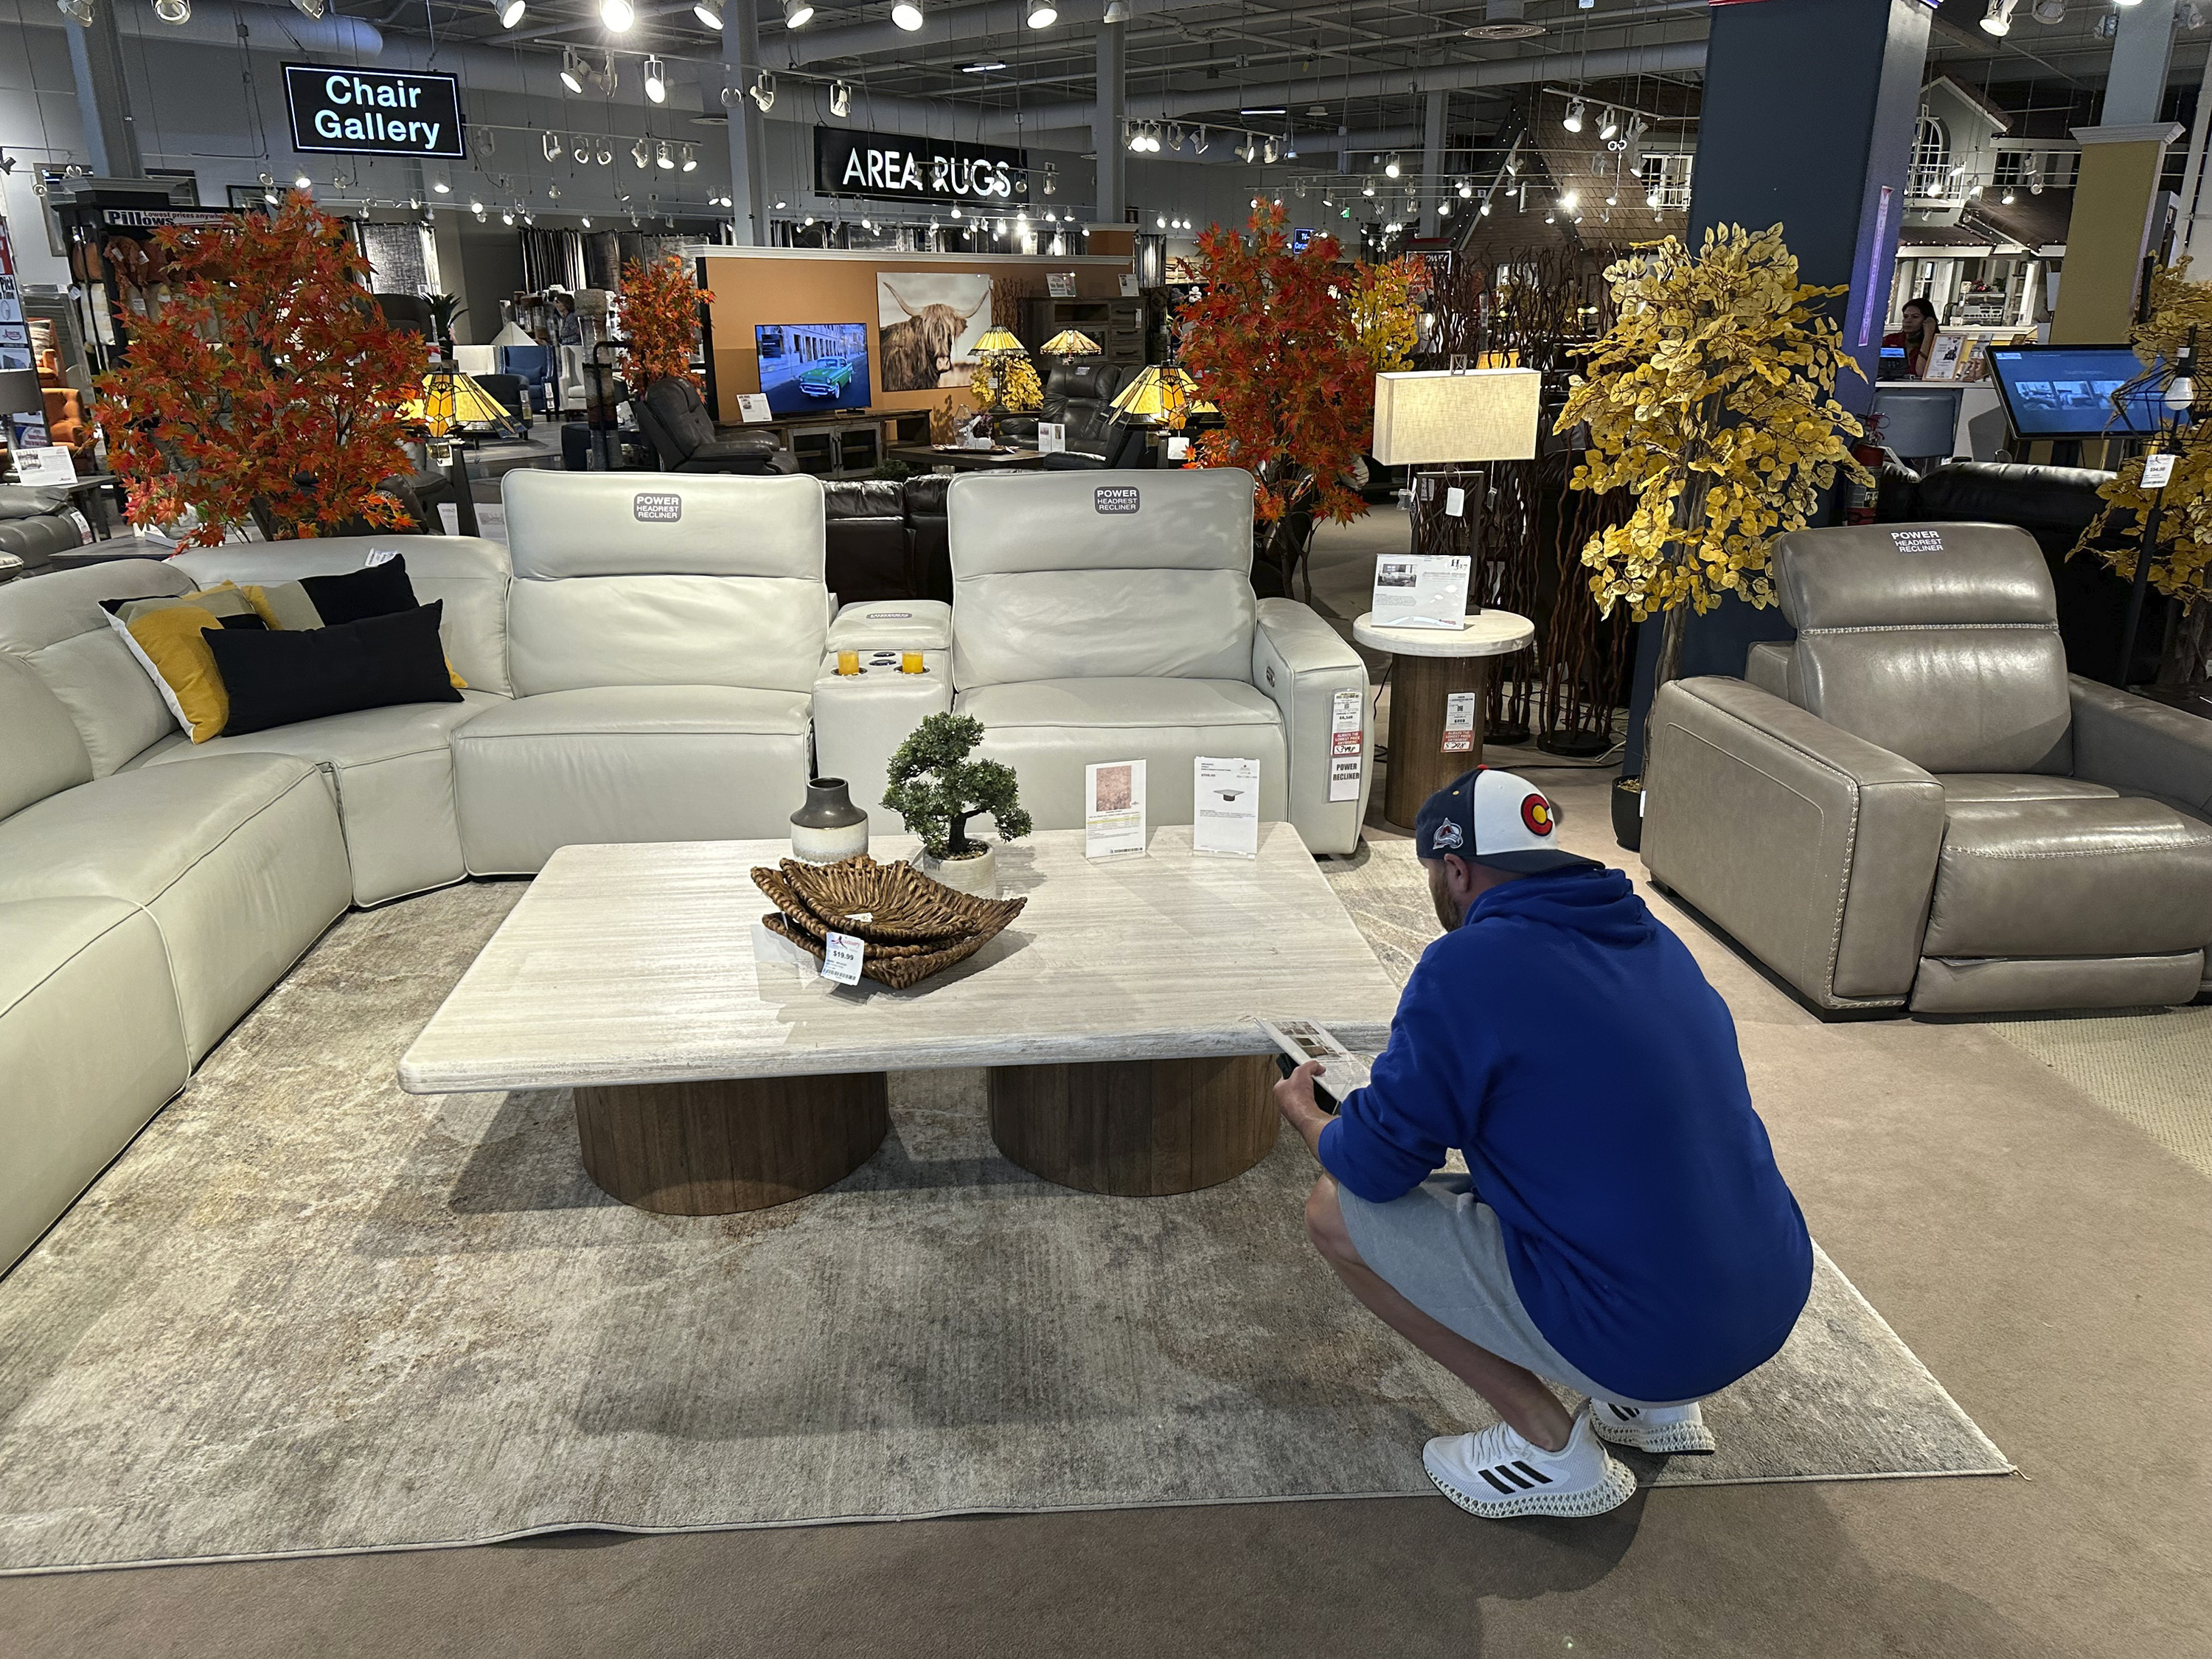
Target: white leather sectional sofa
pixel 655 661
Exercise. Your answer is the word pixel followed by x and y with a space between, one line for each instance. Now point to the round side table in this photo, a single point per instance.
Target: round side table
pixel 1431 665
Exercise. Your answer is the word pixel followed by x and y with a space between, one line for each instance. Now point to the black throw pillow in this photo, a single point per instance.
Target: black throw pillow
pixel 376 590
pixel 277 675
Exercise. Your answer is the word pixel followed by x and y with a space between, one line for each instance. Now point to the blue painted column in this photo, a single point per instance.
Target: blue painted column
pixel 1808 121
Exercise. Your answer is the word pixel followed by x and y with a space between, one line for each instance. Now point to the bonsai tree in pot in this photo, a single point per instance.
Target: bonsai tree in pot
pixel 1712 402
pixel 937 790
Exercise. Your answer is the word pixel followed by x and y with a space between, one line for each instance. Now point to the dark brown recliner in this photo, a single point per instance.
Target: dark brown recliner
pixel 1914 805
pixel 674 419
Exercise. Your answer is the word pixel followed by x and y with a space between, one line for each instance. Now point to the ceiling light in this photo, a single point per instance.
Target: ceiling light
pixel 78 12
pixel 571 71
pixel 173 11
pixel 1367 190
pixel 1465 191
pixel 656 80
pixel 1573 123
pixel 797 13
pixel 691 161
pixel 1198 144
pixel 1042 14
pixel 1997 20
pixel 305 7
pixel 707 13
pixel 1567 200
pixel 1443 209
pixel 507 216
pixel 956 212
pixel 1608 124
pixel 476 206
pixel 906 13
pixel 617 15
pixel 2050 11
pixel 983 68
pixel 604 77
pixel 551 145
pixel 584 220
pixel 1174 135
pixel 1267 152
pixel 1485 207
pixel 509 12
pixel 303 182
pixel 662 158
pixel 1390 168
pixel 1160 221
pixel 642 153
pixel 762 91
pixel 606 157
pixel 2007 199
pixel 841 97
pixel 1651 198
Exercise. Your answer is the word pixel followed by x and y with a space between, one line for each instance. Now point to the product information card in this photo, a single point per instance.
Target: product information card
pixel 50 465
pixel 1226 794
pixel 752 408
pixel 840 959
pixel 1051 437
pixel 1345 744
pixel 1114 809
pixel 1421 590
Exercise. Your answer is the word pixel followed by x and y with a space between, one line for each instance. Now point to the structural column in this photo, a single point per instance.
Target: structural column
pixel 1435 110
pixel 741 61
pixel 1112 205
pixel 1824 154
pixel 103 99
pixel 2112 230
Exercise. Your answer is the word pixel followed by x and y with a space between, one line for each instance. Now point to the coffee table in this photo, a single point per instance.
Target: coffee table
pixel 1116 1016
pixel 968 460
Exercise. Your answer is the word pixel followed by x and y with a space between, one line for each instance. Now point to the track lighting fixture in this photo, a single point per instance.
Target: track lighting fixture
pixel 606 157
pixel 173 11
pixel 1367 190
pixel 581 154
pixel 2049 12
pixel 617 15
pixel 1174 135
pixel 1267 152
pixel 656 80
pixel 956 212
pixel 313 8
pixel 906 13
pixel 1390 168
pixel 77 11
pixel 1042 14
pixel 709 14
pixel 1651 198
pixel 1485 207
pixel 1248 150
pixel 762 91
pixel 552 146
pixel 1199 142
pixel 1465 191
pixel 840 98
pixel 1608 122
pixel 571 71
pixel 690 161
pixel 1573 123
pixel 476 206
pixel 662 159
pixel 605 78
pixel 584 220
pixel 1997 20
pixel 797 13
pixel 1568 198
pixel 642 153
pixel 270 197
pixel 2008 199
pixel 442 186
pixel 507 216
pixel 1443 209
pixel 509 12
pixel 1051 179
pixel 1160 222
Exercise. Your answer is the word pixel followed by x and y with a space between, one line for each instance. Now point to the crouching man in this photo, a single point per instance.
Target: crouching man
pixel 1621 1230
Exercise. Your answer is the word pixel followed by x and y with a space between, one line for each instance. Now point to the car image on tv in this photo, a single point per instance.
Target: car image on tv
pixel 826 377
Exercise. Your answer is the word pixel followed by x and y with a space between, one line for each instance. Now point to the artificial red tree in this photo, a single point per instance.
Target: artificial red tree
pixel 1273 343
pixel 268 387
pixel 659 321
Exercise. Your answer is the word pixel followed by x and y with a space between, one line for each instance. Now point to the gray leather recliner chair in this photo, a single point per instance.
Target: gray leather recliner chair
pixel 1914 805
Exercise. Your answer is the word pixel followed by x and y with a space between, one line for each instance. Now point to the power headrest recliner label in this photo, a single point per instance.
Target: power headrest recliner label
pixel 659 509
pixel 1115 498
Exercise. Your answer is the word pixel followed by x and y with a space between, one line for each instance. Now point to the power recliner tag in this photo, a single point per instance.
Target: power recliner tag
pixel 1917 541
pixel 658 509
pixel 1114 498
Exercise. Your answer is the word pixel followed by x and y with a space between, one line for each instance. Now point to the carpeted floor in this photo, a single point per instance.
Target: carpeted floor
pixel 308 1313
pixel 2153 1068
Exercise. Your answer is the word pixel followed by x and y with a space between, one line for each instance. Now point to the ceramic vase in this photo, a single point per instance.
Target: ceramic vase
pixel 977 874
pixel 829 827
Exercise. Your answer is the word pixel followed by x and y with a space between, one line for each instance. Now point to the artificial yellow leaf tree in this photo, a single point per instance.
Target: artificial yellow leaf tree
pixel 2181 564
pixel 1712 402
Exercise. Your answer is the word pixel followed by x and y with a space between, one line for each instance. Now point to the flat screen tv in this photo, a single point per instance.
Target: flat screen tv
pixel 2066 391
pixel 807 367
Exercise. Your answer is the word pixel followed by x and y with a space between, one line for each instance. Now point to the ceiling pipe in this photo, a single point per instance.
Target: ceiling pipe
pixel 271 26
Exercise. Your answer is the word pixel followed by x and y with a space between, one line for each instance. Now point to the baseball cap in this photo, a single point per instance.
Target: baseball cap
pixel 1494 818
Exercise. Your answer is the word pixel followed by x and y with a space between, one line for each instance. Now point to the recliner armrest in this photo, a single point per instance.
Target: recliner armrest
pixel 860 719
pixel 1814 848
pixel 1303 667
pixel 2140 747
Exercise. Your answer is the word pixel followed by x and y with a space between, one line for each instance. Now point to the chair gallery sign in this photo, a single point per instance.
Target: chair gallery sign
pixel 893 167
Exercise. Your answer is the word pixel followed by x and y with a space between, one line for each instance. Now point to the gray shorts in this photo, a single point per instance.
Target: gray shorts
pixel 1442 1249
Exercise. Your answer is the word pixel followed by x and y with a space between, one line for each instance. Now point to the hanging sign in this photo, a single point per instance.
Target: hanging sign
pixel 361 111
pixel 896 168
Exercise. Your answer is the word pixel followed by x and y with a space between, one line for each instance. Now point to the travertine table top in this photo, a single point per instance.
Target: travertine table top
pixel 635 964
pixel 1487 634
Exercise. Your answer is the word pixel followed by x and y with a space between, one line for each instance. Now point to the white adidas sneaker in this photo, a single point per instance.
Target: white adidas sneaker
pixel 1497 1474
pixel 1652 1428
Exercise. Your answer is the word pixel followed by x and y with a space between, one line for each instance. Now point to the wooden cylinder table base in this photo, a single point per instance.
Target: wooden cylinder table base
pixel 720 1147
pixel 1138 1128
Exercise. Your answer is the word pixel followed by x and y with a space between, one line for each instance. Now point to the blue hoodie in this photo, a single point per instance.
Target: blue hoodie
pixel 1566 1042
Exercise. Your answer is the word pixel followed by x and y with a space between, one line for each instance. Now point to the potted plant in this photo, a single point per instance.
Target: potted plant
pixel 935 790
pixel 660 305
pixel 269 390
pixel 1710 400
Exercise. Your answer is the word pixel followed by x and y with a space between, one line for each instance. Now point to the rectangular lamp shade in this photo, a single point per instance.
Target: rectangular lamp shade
pixel 1435 415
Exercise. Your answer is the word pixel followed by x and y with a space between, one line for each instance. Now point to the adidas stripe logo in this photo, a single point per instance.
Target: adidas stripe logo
pixel 1519 1473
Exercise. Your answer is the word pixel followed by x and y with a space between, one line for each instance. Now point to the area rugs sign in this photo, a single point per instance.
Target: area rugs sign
pixel 897 169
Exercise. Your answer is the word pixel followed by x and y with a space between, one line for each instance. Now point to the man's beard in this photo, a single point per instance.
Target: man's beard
pixel 1449 914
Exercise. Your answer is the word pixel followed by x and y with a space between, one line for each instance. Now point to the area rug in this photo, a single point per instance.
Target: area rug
pixel 306 1313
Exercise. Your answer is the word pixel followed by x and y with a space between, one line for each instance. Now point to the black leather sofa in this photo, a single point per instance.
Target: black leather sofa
pixel 674 419
pixel 2055 505
pixel 887 540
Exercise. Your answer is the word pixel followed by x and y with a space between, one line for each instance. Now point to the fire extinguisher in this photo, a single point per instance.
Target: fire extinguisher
pixel 1860 499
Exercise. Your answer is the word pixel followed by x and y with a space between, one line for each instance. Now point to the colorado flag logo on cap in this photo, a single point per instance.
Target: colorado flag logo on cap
pixel 1536 813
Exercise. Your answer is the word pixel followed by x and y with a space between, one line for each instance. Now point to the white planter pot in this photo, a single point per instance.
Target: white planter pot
pixel 977 875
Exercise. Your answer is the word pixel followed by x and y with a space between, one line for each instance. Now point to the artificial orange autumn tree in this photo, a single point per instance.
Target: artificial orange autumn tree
pixel 267 389
pixel 660 319
pixel 1280 345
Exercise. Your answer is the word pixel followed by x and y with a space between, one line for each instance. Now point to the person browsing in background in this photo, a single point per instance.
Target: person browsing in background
pixel 1621 1228
pixel 568 327
pixel 1917 337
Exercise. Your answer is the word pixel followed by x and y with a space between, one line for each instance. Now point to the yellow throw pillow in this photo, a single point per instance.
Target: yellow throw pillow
pixel 166 643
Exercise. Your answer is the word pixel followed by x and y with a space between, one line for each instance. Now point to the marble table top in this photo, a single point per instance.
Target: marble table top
pixel 1487 634
pixel 636 964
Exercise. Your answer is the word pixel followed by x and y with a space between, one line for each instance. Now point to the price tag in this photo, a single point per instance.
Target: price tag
pixel 2157 469
pixel 1459 723
pixel 1456 503
pixel 1178 447
pixel 52 465
pixel 841 958
pixel 1345 710
pixel 378 555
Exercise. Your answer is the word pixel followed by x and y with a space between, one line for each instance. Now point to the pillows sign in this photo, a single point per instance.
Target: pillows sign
pixel 280 676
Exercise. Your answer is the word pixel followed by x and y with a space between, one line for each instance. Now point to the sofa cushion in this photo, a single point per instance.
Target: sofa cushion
pixel 56 624
pixel 1060 575
pixel 90 1045
pixel 467 574
pixel 391 770
pixel 42 753
pixel 627 763
pixel 238 857
pixel 1049 730
pixel 1966 789
pixel 2084 877
pixel 275 677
